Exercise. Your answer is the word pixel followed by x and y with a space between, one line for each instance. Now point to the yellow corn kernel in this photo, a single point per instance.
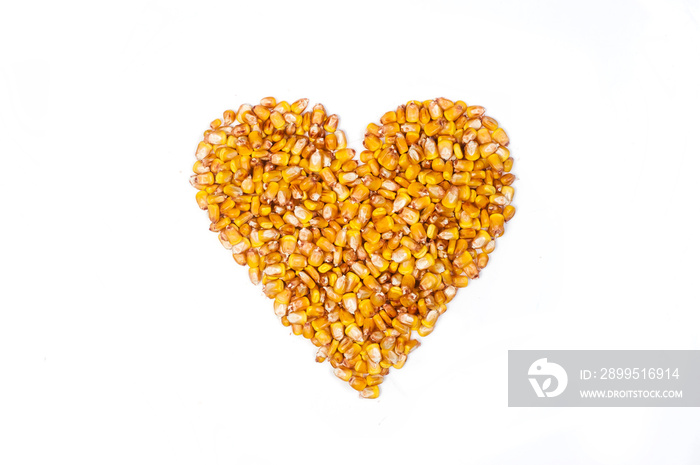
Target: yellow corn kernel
pixel 508 212
pixel 370 392
pixel 296 318
pixel 451 197
pixel 297 262
pixel 277 120
pixel 384 225
pixel 359 383
pixel 343 373
pixel 412 112
pixel 500 136
pixel 372 142
pixel 454 112
pixel 495 162
pixel 428 282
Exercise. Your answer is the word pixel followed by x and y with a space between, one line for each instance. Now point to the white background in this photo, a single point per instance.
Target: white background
pixel 129 335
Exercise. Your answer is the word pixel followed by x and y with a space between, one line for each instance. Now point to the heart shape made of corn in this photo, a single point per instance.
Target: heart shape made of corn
pixel 358 255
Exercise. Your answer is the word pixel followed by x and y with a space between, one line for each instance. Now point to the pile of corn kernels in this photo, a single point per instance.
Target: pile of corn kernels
pixel 357 254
